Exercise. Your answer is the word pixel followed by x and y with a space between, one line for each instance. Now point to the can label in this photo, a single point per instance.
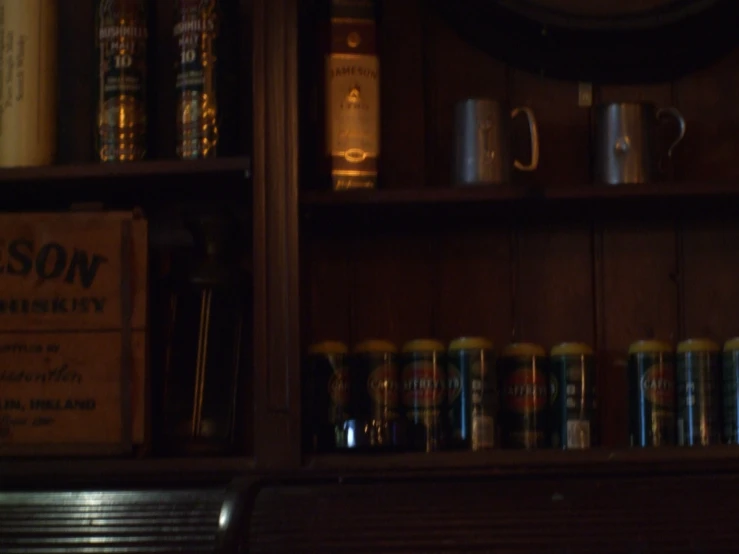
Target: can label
pixel 698 399
pixel 423 388
pixel 338 390
pixel 525 386
pixel 651 399
pixel 382 387
pixel 731 396
pixel 573 401
pixel 196 32
pixel 122 44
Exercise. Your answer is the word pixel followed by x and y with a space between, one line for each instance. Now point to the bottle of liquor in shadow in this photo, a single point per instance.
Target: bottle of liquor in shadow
pixel 205 62
pixel 204 347
pixel 122 40
pixel 352 95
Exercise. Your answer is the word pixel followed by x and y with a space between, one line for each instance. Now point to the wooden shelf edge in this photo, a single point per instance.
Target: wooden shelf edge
pixel 97 468
pixel 172 167
pixel 509 193
pixel 543 461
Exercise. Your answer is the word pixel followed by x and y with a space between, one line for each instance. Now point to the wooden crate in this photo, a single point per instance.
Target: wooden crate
pixel 73 297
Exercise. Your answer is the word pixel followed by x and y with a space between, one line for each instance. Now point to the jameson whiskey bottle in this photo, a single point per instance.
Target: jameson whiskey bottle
pixel 352 95
pixel 122 37
pixel 196 31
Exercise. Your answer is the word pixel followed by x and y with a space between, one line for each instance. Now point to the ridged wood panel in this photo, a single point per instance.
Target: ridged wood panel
pixel 615 515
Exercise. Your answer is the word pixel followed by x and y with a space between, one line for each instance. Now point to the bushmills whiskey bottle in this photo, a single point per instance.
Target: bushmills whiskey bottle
pixel 122 37
pixel 196 31
pixel 352 95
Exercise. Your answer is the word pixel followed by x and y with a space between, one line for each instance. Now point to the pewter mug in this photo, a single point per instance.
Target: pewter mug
pixel 482 142
pixel 625 142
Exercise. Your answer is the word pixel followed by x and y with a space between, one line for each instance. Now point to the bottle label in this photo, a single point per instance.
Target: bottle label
pixel 196 32
pixel 122 40
pixel 353 116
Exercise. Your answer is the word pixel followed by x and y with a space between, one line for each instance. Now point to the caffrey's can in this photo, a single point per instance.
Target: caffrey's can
pixel 523 382
pixel 730 374
pixel 374 420
pixel 698 393
pixel 573 396
pixel 424 379
pixel 471 393
pixel 651 376
pixel 325 396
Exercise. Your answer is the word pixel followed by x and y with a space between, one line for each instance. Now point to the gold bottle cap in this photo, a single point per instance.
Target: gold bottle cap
pixel 731 344
pixel 375 346
pixel 571 349
pixel 471 343
pixel 697 345
pixel 423 345
pixel 523 349
pixel 649 345
pixel 328 347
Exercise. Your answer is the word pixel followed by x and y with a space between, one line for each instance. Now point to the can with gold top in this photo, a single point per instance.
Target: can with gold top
pixel 471 393
pixel 325 396
pixel 572 396
pixel 651 394
pixel 424 381
pixel 730 377
pixel 698 393
pixel 374 422
pixel 523 382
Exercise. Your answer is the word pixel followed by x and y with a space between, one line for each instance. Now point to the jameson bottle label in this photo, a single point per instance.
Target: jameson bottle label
pixel 353 96
pixel 196 32
pixel 122 40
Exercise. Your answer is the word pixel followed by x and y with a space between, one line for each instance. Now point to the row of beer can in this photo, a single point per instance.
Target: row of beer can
pixel 430 397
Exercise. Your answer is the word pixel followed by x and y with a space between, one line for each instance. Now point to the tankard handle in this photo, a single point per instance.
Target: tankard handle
pixel 534 135
pixel 674 112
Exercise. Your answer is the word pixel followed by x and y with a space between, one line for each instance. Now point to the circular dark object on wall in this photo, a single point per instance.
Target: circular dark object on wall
pixel 618 42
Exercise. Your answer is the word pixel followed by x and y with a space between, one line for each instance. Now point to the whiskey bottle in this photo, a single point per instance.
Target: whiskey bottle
pixel 196 32
pixel 122 37
pixel 352 95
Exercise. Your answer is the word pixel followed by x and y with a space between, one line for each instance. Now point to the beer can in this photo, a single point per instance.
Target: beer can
pixel 425 402
pixel 523 378
pixel 651 375
pixel 698 393
pixel 730 374
pixel 572 396
pixel 471 393
pixel 374 420
pixel 325 396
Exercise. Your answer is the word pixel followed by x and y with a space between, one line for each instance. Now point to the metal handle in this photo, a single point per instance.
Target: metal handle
pixel 534 134
pixel 680 121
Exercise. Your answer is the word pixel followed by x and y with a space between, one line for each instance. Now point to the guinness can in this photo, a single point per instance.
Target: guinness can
pixel 573 396
pixel 374 416
pixel 325 396
pixel 651 394
pixel 524 396
pixel 698 393
pixel 424 379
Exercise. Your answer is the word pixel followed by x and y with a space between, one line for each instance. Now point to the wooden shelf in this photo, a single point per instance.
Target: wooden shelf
pixel 92 470
pixel 237 166
pixel 662 200
pixel 715 459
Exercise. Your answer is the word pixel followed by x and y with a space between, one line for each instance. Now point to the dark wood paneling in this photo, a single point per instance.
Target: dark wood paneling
pixel 555 293
pixel 708 103
pixel 393 287
pixel 402 95
pixel 610 515
pixel 711 292
pixel 473 296
pixel 563 130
